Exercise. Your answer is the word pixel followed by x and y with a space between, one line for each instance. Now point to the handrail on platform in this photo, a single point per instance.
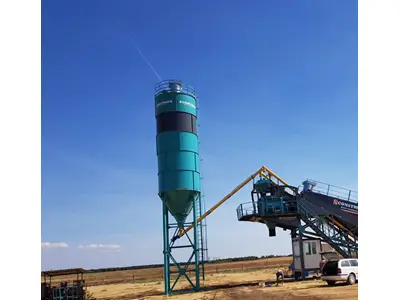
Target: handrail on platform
pixel 332 190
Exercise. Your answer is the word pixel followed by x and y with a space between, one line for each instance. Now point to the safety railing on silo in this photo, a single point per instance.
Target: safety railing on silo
pixel 173 85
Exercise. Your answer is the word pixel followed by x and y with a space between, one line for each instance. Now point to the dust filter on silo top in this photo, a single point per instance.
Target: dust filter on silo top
pixel 177 147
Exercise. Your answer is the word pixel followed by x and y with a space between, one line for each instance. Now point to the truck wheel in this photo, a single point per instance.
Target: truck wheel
pixel 351 279
pixel 330 282
pixel 297 275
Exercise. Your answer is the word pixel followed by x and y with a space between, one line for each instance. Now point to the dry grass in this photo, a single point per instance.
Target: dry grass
pixel 156 274
pixel 235 280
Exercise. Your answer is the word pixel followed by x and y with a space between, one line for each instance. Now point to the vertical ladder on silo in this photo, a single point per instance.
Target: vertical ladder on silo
pixel 201 235
pixel 199 231
pixel 204 229
pixel 201 208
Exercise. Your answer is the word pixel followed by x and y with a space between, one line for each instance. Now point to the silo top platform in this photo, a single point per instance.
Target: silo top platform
pixel 174 86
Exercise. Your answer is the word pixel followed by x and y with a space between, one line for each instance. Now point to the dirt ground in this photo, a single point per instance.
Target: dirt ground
pixel 233 280
pixel 221 286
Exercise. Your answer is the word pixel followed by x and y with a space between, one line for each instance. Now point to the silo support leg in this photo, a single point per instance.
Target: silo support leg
pixel 166 251
pixel 182 269
pixel 196 244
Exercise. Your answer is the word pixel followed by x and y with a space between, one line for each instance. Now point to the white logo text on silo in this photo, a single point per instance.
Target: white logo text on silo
pixel 164 103
pixel 187 104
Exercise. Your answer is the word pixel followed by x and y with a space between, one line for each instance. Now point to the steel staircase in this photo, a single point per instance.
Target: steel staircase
pixel 331 234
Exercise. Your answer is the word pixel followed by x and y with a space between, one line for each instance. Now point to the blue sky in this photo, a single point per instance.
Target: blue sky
pixel 277 82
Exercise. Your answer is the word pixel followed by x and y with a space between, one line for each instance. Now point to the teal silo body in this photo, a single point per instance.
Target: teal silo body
pixel 177 148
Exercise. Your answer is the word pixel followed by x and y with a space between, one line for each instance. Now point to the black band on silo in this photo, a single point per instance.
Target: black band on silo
pixel 176 121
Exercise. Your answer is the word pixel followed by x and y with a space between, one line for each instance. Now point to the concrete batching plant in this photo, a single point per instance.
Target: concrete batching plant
pixel 315 213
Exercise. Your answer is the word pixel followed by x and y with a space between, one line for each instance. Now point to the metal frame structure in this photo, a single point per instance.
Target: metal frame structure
pixel 311 220
pixel 169 246
pixel 330 230
pixel 327 227
pixel 63 291
pixel 339 234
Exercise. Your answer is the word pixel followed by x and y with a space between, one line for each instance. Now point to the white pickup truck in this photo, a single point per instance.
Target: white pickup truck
pixel 341 270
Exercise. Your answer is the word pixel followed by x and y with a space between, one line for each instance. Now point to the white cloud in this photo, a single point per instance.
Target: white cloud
pixel 101 246
pixel 54 245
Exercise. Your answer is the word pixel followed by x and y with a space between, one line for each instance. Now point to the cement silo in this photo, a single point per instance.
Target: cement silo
pixel 178 171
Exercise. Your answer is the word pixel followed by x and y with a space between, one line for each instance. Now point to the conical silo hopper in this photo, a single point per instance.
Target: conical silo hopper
pixel 179 203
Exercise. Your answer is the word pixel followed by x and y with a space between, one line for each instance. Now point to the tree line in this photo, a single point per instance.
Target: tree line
pixel 212 261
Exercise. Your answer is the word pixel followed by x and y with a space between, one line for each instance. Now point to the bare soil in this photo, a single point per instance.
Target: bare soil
pixel 240 285
pixel 234 280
